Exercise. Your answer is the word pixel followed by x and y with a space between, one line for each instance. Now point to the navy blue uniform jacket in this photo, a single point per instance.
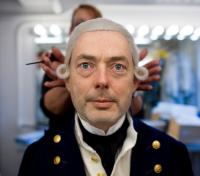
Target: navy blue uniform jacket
pixel 172 155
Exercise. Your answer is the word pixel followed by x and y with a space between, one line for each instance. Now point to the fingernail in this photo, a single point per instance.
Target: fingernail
pixel 46 84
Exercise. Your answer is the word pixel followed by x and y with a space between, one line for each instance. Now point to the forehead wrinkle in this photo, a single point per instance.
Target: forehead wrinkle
pixel 87 57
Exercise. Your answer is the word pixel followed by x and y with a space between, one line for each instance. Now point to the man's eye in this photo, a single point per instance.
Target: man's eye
pixel 85 65
pixel 119 67
pixel 85 68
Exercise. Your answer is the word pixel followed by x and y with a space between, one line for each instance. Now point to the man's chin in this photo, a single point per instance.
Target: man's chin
pixel 103 117
pixel 101 113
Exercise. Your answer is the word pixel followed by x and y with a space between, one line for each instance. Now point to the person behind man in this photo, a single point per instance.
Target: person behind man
pixel 101 73
pixel 55 101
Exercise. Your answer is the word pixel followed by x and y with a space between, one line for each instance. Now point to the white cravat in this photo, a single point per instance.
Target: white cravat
pixel 90 128
pixel 92 161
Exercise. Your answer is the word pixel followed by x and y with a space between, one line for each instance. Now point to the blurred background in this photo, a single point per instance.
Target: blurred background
pixel 170 29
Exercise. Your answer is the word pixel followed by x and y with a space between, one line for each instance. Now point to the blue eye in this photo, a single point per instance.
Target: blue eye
pixel 118 67
pixel 85 68
pixel 85 65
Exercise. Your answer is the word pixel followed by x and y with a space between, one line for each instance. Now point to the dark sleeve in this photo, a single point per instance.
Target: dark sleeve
pixel 27 164
pixel 183 162
pixel 44 90
pixel 55 121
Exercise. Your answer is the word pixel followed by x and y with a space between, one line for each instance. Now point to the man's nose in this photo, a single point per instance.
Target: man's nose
pixel 101 79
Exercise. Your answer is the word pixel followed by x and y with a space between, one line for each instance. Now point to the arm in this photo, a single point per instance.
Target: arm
pixel 55 98
pixel 28 166
pixel 182 164
pixel 154 69
pixel 154 75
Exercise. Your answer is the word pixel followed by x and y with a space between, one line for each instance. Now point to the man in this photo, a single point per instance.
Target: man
pixel 55 101
pixel 101 73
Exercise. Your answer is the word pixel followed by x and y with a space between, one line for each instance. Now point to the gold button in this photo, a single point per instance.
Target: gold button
pixel 57 160
pixel 156 144
pixel 95 158
pixel 57 138
pixel 157 168
pixel 100 174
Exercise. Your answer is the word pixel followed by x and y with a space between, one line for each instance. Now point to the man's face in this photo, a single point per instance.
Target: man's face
pixel 101 81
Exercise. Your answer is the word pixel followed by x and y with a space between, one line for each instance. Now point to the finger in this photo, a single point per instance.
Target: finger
pixel 54 83
pixel 43 55
pixel 46 60
pixel 150 79
pixel 47 54
pixel 143 53
pixel 54 65
pixel 57 53
pixel 154 70
pixel 153 63
pixel 49 72
pixel 145 87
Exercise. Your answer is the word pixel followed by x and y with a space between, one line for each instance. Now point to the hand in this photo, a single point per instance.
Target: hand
pixel 136 104
pixel 50 67
pixel 154 69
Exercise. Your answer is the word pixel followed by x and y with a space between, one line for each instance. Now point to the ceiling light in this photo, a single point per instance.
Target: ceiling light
pixel 186 30
pixel 143 30
pixel 40 30
pixel 167 37
pixel 55 30
pixel 142 41
pixel 154 37
pixel 194 37
pixel 158 30
pixel 172 30
pixel 197 31
pixel 180 37
pixel 130 28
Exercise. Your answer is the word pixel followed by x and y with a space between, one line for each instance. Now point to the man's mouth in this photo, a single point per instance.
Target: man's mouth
pixel 102 103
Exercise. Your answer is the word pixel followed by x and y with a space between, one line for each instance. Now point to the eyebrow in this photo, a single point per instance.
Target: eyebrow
pixel 87 57
pixel 111 59
pixel 118 58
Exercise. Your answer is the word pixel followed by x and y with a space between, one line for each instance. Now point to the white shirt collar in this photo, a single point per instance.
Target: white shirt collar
pixel 123 157
pixel 90 128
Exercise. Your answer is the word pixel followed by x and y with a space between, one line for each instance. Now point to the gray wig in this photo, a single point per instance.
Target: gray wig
pixel 100 24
